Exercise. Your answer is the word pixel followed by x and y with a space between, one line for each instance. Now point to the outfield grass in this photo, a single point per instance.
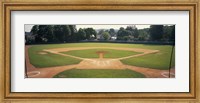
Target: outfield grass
pixel 92 53
pixel 159 60
pixel 99 73
pixel 49 59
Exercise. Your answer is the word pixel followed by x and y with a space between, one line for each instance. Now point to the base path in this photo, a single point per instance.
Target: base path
pixel 97 63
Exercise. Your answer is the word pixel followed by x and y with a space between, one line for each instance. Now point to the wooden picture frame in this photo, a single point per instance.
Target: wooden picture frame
pixel 155 5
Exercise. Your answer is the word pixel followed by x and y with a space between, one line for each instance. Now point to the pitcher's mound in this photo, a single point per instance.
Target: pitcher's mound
pixel 100 64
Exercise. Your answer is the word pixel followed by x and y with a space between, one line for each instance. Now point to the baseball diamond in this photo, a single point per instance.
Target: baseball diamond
pixel 98 60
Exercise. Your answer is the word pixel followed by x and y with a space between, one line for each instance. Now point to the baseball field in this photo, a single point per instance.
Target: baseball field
pixel 99 60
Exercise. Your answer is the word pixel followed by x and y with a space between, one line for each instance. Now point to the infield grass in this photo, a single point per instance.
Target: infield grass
pixel 109 53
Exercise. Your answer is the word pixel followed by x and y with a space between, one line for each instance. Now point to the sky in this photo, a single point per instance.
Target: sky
pixel 28 27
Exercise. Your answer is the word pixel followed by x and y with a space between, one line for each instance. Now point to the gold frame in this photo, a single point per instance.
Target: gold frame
pixel 9 5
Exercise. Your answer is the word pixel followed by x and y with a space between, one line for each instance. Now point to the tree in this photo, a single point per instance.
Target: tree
pixel 120 34
pixel 120 29
pixel 49 33
pixel 90 33
pixel 73 29
pixel 167 30
pixel 34 29
pixel 40 37
pixel 133 30
pixel 55 33
pixel 59 37
pixel 101 32
pixel 135 33
pixel 156 32
pixel 172 37
pixel 123 34
pixel 62 33
pixel 81 34
pixel 26 38
pixel 66 32
pixel 30 38
pixel 112 32
pixel 143 34
pixel 130 29
pixel 126 38
pixel 73 33
pixel 106 35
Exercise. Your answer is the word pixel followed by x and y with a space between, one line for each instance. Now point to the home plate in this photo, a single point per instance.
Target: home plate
pixel 100 64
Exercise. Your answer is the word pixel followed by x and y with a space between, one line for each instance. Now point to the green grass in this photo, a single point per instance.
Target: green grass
pixel 110 53
pixel 99 73
pixel 49 59
pixel 159 60
pixel 173 58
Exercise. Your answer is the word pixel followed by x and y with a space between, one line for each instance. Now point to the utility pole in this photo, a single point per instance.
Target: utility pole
pixel 171 59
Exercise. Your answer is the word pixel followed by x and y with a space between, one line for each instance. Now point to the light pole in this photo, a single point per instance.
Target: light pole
pixel 171 58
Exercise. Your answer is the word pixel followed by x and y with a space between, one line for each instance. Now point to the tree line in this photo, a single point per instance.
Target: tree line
pixel 131 33
pixel 69 33
pixel 59 34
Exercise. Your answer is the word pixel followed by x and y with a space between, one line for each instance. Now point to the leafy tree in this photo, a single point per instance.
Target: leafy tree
pixel 38 39
pixel 59 37
pixel 55 33
pixel 62 33
pixel 90 32
pixel 133 30
pixel 126 33
pixel 66 32
pixel 156 32
pixel 112 32
pixel 34 29
pixel 172 37
pixel 126 38
pixel 167 30
pixel 41 34
pixel 49 33
pixel 120 34
pixel 81 34
pixel 101 32
pixel 123 33
pixel 74 36
pixel 26 38
pixel 130 29
pixel 106 35
pixel 135 33
pixel 73 29
pixel 30 37
pixel 143 34
pixel 120 29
